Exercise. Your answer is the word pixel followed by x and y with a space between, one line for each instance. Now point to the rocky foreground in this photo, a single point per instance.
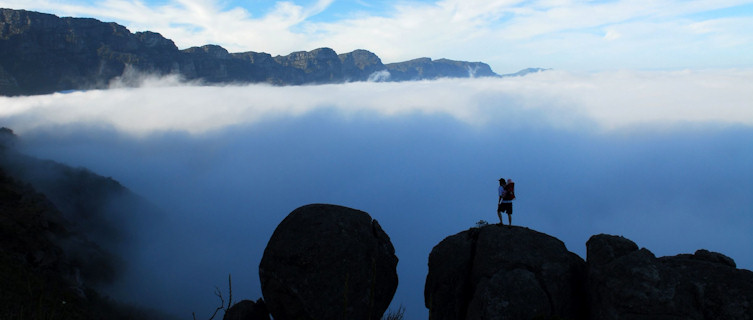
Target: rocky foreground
pixel 332 262
pixel 501 272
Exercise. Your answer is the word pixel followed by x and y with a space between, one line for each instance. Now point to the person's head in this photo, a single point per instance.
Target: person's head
pixel 501 181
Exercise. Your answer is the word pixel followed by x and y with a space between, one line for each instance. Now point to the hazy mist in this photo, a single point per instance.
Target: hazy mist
pixel 663 158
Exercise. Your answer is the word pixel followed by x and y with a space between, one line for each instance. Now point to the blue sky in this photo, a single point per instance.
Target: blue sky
pixel 508 34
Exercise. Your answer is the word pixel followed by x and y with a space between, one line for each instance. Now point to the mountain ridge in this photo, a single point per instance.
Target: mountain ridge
pixel 42 53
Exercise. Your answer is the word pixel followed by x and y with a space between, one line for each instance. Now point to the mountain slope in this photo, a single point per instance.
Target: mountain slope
pixel 61 233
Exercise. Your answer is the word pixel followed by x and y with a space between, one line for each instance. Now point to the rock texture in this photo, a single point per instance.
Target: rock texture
pixel 630 283
pixel 425 68
pixel 328 262
pixel 359 65
pixel 42 53
pixel 498 272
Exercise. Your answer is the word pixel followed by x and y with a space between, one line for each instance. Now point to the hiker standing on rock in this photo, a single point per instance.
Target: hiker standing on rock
pixel 506 196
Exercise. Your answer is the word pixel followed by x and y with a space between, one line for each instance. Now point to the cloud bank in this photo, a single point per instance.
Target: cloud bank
pixel 600 101
pixel 572 35
pixel 662 158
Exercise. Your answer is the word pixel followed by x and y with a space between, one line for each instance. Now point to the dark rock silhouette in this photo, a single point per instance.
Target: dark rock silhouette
pixel 328 262
pixel 247 310
pixel 498 272
pixel 630 283
pixel 42 53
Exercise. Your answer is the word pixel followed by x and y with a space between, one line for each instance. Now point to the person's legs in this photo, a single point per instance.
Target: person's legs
pixel 499 213
pixel 509 213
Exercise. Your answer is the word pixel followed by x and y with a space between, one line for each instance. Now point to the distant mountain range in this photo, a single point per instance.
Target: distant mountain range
pixel 42 53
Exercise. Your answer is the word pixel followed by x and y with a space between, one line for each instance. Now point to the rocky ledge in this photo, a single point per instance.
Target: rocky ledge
pixel 501 272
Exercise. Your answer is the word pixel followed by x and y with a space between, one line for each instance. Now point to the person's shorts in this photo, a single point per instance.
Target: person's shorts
pixel 505 207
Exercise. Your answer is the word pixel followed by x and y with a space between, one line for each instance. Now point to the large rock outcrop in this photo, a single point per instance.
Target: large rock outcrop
pixel 328 262
pixel 499 272
pixel 626 282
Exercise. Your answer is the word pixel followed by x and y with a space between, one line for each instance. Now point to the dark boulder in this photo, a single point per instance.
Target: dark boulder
pixel 448 287
pixel 497 272
pixel 328 262
pixel 630 283
pixel 247 310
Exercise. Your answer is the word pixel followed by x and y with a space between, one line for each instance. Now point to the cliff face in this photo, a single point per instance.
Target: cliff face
pixel 497 272
pixel 425 68
pixel 42 53
pixel 360 64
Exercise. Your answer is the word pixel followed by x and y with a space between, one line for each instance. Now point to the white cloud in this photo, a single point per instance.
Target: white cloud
pixel 612 35
pixel 611 100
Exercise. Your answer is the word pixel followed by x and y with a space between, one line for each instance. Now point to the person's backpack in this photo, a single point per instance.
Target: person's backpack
pixel 509 193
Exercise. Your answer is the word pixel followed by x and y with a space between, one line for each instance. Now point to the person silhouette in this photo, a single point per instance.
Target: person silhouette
pixel 506 192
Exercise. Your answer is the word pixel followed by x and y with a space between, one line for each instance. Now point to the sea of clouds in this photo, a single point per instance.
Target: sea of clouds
pixel 660 157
